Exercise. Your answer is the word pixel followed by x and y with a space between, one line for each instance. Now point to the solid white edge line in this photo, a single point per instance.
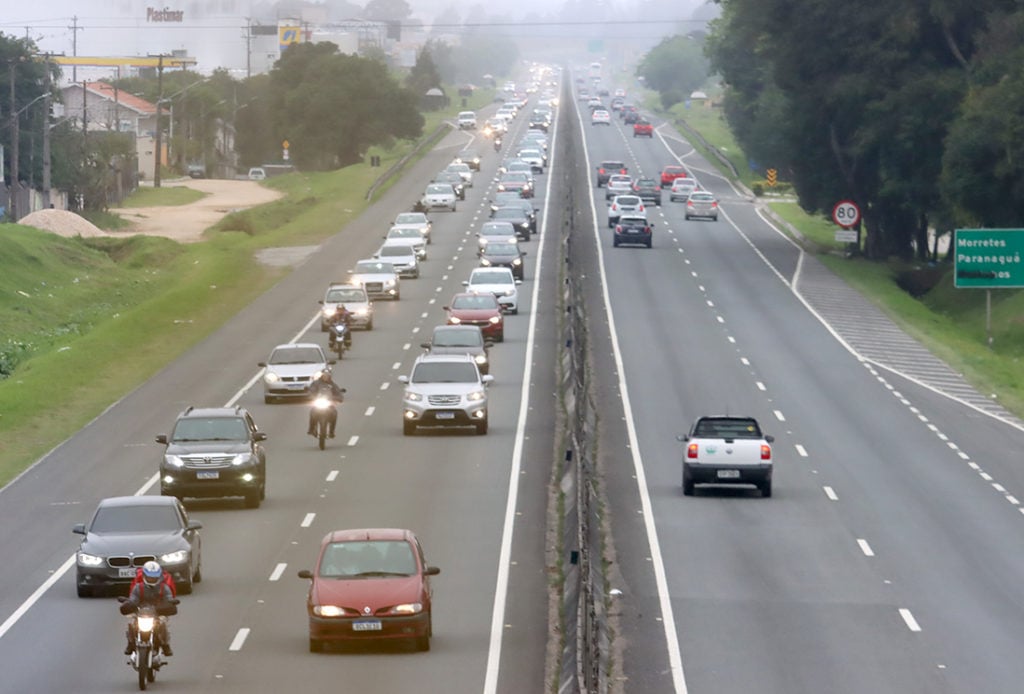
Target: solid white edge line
pixel 831 493
pixel 505 554
pixel 239 640
pixel 908 618
pixel 275 575
pixel 865 548
pixel 664 598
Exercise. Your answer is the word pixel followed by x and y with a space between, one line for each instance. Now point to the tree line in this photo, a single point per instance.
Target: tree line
pixel 914 109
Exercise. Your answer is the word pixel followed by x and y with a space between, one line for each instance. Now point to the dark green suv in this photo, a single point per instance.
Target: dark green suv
pixel 214 452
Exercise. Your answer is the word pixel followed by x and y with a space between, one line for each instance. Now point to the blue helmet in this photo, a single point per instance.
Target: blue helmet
pixel 152 573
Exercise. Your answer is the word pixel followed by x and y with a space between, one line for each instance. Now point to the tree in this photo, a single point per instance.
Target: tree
pixel 424 74
pixel 675 67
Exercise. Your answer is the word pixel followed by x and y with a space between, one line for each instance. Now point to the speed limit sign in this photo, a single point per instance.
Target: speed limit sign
pixel 846 214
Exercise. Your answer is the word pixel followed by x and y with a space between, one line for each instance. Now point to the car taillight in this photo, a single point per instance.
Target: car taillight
pixel 691 451
pixel 766 452
pixel 600 171
pixel 714 204
pixel 622 171
pixel 689 203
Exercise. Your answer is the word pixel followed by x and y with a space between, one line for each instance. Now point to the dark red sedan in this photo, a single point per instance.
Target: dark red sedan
pixel 469 308
pixel 370 584
pixel 671 173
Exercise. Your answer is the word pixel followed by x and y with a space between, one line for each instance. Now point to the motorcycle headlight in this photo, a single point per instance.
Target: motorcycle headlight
pixel 89 559
pixel 475 396
pixel 242 459
pixel 328 610
pixel 174 461
pixel 271 377
pixel 174 557
pixel 413 397
pixel 146 624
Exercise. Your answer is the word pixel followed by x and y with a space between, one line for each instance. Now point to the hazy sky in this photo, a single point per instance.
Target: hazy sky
pixel 213 30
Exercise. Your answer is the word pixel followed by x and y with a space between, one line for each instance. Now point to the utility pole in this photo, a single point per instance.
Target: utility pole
pixel 15 154
pixel 46 137
pixel 159 139
pixel 74 45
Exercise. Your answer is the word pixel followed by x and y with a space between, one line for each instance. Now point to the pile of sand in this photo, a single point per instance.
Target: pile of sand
pixel 62 223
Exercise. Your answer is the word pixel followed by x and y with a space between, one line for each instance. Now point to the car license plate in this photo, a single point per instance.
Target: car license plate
pixel 366 625
pixel 728 474
pixel 126 573
pixel 207 475
pixel 446 415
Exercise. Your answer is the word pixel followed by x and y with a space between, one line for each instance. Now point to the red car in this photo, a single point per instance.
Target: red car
pixel 517 181
pixel 643 128
pixel 671 173
pixel 369 584
pixel 469 308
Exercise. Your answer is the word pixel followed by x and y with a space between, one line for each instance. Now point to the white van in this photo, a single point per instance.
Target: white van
pixel 257 173
pixel 466 120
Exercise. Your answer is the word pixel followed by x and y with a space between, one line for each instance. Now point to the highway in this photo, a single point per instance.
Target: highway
pixel 888 559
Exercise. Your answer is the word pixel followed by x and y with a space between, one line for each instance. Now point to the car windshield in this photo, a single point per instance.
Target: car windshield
pixel 374 267
pixel 619 180
pixel 445 372
pixel 411 218
pixel 367 558
pixel 491 277
pixel 404 233
pixel 343 294
pixel 439 189
pixel 702 197
pixel 210 429
pixel 478 302
pixel 647 183
pixel 135 519
pixel 457 337
pixel 297 355
pixel 396 251
pixel 502 249
pixel 613 165
pixel 727 428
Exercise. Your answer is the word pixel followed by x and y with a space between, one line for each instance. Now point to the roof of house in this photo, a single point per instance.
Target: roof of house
pixel 124 98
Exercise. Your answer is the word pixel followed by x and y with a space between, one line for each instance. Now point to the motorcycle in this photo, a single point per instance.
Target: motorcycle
pixel 146 658
pixel 339 337
pixel 324 410
pixel 497 144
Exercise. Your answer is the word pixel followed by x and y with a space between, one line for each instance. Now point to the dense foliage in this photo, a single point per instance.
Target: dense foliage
pixel 912 109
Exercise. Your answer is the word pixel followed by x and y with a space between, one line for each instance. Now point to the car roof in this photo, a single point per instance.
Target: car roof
pixel 363 534
pixel 141 500
pixel 612 164
pixel 212 412
pixel 451 358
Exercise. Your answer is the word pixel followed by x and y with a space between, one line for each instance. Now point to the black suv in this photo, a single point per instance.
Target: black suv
pixel 606 168
pixel 214 452
pixel 648 190
pixel 633 230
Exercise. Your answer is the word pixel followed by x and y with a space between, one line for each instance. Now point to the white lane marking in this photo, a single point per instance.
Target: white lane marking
pixel 831 493
pixel 744 361
pixel 370 410
pixel 353 441
pixel 668 621
pixel 801 450
pixel 779 416
pixel 985 476
pixel 332 475
pixel 731 339
pixel 719 319
pixel 308 520
pixel 1013 500
pixel 999 488
pixel 275 575
pixel 865 548
pixel 761 386
pixel 406 346
pixel 385 385
pixel 239 640
pixel 711 304
pixel 396 365
pixel 415 330
pixel 908 618
pixel 424 314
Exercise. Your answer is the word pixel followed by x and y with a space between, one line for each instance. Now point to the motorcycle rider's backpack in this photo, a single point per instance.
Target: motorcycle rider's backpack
pixel 167 580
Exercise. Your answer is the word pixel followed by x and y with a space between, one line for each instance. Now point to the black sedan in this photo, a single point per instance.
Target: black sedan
pixel 127 531
pixel 507 199
pixel 503 254
pixel 517 217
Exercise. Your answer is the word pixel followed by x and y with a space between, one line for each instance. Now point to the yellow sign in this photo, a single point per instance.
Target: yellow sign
pixel 285 144
pixel 770 175
pixel 286 36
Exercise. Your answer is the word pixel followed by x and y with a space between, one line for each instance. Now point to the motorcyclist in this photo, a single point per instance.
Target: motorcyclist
pixel 152 590
pixel 497 142
pixel 325 386
pixel 342 315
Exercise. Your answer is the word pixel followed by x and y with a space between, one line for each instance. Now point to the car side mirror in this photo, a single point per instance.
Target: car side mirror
pixel 332 361
pixel 78 528
pixel 465 283
pixel 425 345
pixel 523 253
pixel 261 363
pixel 259 436
pixel 487 379
pixel 488 344
pixel 194 525
pixel 161 438
pixel 431 571
pixel 682 437
pixel 321 302
pixel 769 438
pixel 403 379
pixel 306 573
pixel 519 281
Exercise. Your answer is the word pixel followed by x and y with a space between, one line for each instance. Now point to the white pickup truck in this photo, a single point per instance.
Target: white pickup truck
pixel 727 450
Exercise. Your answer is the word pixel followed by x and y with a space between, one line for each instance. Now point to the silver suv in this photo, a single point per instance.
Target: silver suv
pixel 444 390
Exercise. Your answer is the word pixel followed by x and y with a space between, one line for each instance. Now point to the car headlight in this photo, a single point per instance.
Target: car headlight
pixel 328 610
pixel 174 557
pixel 407 608
pixel 480 359
pixel 494 320
pixel 389 283
pixel 330 311
pixel 89 559
pixel 517 262
pixel 475 396
pixel 174 461
pixel 242 459
pixel 413 397
pixel 454 320
pixel 361 311
pixel 271 377
pixel 485 262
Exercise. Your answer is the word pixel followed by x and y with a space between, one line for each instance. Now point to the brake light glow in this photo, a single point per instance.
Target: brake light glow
pixel 691 451
pixel 766 452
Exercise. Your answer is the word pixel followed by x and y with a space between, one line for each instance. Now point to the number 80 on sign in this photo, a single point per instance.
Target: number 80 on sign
pixel 846 214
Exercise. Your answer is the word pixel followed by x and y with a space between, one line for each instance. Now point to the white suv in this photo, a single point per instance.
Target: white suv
pixel 444 390
pixel 498 281
pixel 466 120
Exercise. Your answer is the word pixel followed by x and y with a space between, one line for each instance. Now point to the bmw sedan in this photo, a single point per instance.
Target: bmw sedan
pixel 127 531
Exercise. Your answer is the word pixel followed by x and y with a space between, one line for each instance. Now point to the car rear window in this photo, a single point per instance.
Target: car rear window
pixel 727 428
pixel 612 165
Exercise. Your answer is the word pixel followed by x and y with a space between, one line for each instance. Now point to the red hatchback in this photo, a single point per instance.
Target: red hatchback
pixel 671 173
pixel 370 584
pixel 469 308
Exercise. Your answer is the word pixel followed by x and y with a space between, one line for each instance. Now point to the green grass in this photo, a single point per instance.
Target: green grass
pixel 164 195
pixel 108 221
pixel 112 311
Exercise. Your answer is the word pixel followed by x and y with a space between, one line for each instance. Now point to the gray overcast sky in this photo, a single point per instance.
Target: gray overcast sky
pixel 210 30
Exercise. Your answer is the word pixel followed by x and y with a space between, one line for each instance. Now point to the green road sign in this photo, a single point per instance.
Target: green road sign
pixel 989 258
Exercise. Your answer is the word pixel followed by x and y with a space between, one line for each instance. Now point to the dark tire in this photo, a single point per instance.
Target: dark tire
pixel 252 499
pixel 650 243
pixel 687 217
pixel 321 436
pixel 84 591
pixel 766 489
pixel 500 338
pixel 369 326
pixel 422 643
pixel 143 657
pixel 515 311
pixel 316 646
pixel 408 428
pixel 263 486
pixel 687 483
pixel 268 400
pixel 481 428
pixel 197 577
pixel 615 243
pixel 185 587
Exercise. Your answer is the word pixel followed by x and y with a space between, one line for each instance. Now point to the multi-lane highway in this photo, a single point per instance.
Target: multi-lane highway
pixel 888 559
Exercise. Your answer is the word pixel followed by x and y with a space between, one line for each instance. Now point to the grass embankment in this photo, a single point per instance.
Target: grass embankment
pixel 99 316
pixel 949 321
